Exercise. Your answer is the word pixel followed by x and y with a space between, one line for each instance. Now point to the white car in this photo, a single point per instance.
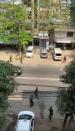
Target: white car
pixel 57 54
pixel 29 51
pixel 43 53
pixel 25 121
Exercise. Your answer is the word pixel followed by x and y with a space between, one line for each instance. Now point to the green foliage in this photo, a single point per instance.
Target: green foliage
pixel 3 103
pixel 5 69
pixel 7 84
pixel 25 38
pixel 43 3
pixel 70 73
pixel 13 24
pixel 66 97
pixel 2 120
pixel 66 100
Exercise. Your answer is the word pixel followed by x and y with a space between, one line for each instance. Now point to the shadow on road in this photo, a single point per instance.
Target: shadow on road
pixel 42 108
pixel 13 123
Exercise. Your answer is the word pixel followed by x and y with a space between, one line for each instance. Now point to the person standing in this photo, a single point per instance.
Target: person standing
pixel 64 59
pixel 10 58
pixel 36 92
pixel 21 59
pixel 50 113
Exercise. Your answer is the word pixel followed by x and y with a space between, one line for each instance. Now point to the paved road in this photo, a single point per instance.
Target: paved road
pixel 20 101
pixel 41 71
pixel 44 84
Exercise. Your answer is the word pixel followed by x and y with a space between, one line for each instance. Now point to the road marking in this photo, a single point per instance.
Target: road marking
pixel 38 78
pixel 15 97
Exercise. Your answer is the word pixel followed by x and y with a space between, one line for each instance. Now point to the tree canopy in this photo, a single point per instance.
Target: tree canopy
pixel 66 100
pixel 70 73
pixel 7 86
pixel 7 83
pixel 66 97
pixel 13 23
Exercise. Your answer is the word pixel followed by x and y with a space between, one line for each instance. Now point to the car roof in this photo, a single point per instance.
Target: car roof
pixel 23 125
pixel 27 112
pixel 30 48
pixel 43 51
pixel 57 50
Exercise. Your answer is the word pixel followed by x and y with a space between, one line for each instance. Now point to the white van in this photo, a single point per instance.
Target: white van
pixel 29 51
pixel 57 54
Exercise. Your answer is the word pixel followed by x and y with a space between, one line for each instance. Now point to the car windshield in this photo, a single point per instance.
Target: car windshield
pixel 44 53
pixel 29 51
pixel 25 116
pixel 58 54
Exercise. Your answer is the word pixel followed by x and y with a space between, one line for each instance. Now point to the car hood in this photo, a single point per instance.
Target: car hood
pixel 29 53
pixel 23 125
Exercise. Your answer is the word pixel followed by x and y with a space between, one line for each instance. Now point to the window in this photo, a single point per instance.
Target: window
pixel 69 34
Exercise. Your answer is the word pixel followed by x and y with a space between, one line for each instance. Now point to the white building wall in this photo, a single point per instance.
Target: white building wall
pixel 65 2
pixel 12 1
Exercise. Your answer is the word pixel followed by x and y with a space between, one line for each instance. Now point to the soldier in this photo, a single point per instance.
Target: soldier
pixel 50 113
pixel 36 92
pixel 10 58
pixel 64 59
pixel 21 59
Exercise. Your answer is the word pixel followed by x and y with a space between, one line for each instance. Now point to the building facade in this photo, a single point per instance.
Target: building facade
pixel 72 8
pixel 44 15
pixel 11 1
pixel 65 2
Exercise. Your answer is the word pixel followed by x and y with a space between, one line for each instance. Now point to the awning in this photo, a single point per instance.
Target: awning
pixel 63 40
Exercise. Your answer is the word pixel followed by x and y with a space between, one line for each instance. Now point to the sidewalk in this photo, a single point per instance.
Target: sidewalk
pixel 35 60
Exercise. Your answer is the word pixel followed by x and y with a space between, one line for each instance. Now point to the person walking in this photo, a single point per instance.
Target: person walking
pixel 10 58
pixel 31 101
pixel 36 92
pixel 21 59
pixel 50 113
pixel 64 59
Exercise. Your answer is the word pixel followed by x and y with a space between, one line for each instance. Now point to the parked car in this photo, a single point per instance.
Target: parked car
pixel 25 121
pixel 29 51
pixel 43 53
pixel 57 54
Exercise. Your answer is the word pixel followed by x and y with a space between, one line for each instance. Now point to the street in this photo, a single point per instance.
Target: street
pixel 20 101
pixel 45 75
pixel 46 71
pixel 47 79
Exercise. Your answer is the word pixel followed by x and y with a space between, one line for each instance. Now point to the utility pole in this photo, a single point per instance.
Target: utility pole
pixel 32 17
pixel 38 15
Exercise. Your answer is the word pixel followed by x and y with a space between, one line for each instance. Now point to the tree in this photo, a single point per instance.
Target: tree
pixel 7 86
pixel 66 97
pixel 70 73
pixel 13 22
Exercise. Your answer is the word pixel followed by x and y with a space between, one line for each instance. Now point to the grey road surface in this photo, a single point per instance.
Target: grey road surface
pixel 44 84
pixel 41 71
pixel 19 102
